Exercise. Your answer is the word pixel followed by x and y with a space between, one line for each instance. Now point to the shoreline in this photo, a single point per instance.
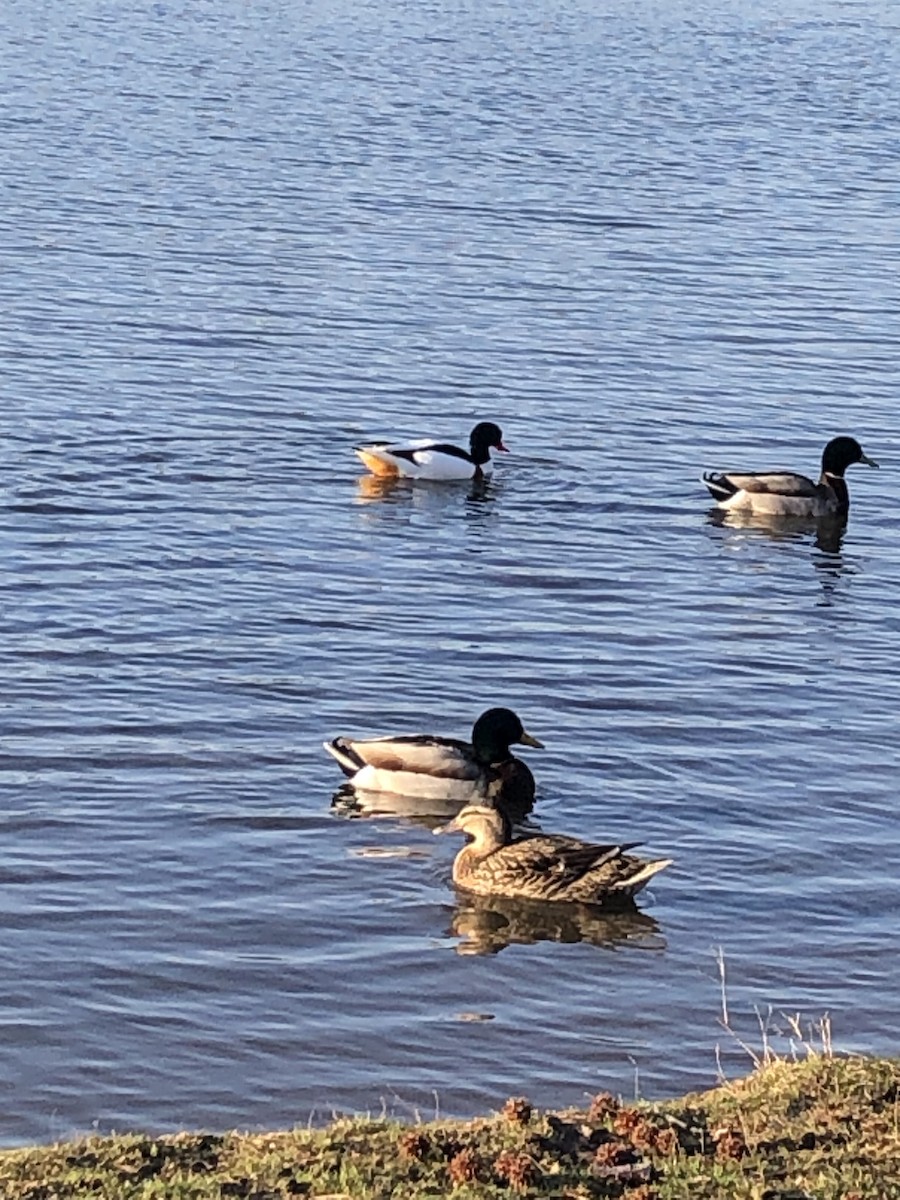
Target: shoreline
pixel 824 1127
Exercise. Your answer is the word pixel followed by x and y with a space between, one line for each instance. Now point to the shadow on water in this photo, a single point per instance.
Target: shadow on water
pixel 487 925
pixel 826 534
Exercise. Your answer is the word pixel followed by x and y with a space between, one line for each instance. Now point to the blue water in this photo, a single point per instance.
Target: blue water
pixel 646 239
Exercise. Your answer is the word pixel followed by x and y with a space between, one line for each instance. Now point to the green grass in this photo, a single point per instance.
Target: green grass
pixel 825 1127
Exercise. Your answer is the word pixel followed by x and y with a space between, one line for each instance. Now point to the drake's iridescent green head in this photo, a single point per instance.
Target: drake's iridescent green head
pixel 495 731
pixel 841 453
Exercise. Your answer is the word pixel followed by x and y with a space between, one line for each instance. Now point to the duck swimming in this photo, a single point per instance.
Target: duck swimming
pixel 428 459
pixel 440 768
pixel 545 867
pixel 785 493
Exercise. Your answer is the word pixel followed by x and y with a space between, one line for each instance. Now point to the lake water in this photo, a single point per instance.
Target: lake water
pixel 646 238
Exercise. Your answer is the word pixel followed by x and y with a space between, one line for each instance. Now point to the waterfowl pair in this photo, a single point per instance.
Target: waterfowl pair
pixel 439 461
pixel 440 768
pixel 788 494
pixel 546 867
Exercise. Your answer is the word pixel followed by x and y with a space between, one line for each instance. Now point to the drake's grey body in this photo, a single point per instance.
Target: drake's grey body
pixel 787 493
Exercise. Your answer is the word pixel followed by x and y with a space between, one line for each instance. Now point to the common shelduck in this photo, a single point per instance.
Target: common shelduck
pixel 428 459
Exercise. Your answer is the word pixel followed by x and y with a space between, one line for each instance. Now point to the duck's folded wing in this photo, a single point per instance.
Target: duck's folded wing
pixel 419 754
pixel 553 862
pixel 777 483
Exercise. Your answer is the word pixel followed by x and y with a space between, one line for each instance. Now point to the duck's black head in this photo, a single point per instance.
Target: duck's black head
pixel 841 453
pixel 495 731
pixel 485 437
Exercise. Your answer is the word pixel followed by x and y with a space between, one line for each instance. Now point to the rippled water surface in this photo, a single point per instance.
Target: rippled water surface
pixel 645 238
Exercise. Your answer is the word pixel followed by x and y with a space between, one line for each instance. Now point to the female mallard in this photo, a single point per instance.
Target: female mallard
pixel 441 768
pixel 428 459
pixel 545 867
pixel 786 494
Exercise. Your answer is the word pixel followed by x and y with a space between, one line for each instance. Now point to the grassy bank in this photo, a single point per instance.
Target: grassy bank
pixel 827 1128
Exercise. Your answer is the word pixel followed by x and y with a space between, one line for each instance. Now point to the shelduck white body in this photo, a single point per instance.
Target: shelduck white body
pixel 439 461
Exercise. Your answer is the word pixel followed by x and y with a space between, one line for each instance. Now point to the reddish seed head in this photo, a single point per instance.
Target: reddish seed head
pixel 614 1154
pixel 731 1144
pixel 464 1166
pixel 517 1110
pixel 414 1145
pixel 666 1142
pixel 625 1120
pixel 520 1171
pixel 603 1105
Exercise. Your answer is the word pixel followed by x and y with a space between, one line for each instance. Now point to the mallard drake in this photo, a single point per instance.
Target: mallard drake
pixel 544 867
pixel 785 493
pixel 429 459
pixel 432 767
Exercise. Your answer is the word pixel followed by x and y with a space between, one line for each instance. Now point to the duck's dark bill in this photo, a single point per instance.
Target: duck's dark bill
pixel 870 462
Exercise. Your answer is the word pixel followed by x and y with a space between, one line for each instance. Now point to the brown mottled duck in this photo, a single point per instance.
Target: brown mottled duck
pixel 544 867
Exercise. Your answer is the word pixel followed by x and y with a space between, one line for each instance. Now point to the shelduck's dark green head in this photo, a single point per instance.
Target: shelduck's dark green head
pixel 484 437
pixel 841 453
pixel 495 731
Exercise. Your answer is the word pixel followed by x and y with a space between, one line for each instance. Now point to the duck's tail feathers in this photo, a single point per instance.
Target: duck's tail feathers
pixel 342 749
pixel 377 462
pixel 645 871
pixel 720 486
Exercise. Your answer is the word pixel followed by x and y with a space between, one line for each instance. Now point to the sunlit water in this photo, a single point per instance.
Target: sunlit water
pixel 646 239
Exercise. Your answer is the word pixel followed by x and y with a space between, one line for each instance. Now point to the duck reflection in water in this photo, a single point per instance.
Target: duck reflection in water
pixel 396 490
pixel 432 812
pixel 825 533
pixel 488 924
pixel 828 531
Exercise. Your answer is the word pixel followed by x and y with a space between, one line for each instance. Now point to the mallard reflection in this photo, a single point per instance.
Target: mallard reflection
pixel 825 533
pixel 828 531
pixel 431 812
pixel 488 924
